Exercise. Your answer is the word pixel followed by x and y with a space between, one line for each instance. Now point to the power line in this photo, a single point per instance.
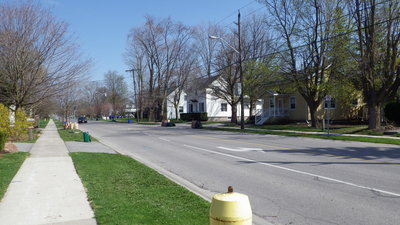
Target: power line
pixel 305 45
pixel 233 13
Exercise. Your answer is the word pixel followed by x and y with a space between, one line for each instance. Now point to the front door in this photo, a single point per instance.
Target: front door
pixel 280 109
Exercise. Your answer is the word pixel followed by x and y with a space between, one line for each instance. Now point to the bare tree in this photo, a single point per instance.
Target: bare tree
pixel 226 86
pixel 261 63
pixel 38 58
pixel 161 42
pixel 378 35
pixel 68 102
pixel 305 28
pixel 206 47
pixel 186 69
pixel 117 91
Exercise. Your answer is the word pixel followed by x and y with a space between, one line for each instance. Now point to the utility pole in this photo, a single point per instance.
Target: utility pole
pixel 241 77
pixel 134 90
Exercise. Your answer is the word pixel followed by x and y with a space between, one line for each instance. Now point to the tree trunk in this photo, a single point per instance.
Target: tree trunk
pixel 164 111
pixel 176 112
pixel 374 115
pixel 313 110
pixel 234 113
pixel 251 108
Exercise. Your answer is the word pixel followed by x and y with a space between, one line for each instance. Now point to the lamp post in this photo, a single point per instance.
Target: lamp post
pixel 240 70
pixel 275 94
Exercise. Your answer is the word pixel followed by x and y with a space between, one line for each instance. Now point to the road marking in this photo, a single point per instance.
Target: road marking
pixel 164 139
pixel 241 149
pixel 243 142
pixel 283 148
pixel 297 171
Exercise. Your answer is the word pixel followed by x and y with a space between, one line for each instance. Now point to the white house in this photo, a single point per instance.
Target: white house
pixel 199 98
pixel 172 99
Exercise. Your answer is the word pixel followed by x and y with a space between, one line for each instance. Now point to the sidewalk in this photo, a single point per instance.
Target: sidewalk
pixel 46 190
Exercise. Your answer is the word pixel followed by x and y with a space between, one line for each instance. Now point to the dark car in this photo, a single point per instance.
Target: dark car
pixel 82 119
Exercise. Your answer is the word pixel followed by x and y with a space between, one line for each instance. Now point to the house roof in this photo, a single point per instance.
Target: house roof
pixel 201 83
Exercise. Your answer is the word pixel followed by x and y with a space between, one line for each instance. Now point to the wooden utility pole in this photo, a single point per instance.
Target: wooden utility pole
pixel 134 89
pixel 241 77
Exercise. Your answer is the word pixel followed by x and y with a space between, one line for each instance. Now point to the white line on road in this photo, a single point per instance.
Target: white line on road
pixel 164 139
pixel 297 171
pixel 241 149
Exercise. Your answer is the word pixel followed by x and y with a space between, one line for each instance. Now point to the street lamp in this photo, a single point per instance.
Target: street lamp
pixel 241 75
pixel 275 94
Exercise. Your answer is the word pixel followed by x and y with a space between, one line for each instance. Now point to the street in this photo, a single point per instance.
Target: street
pixel 289 180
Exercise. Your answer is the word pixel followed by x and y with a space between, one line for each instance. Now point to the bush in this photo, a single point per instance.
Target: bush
pixel 4 119
pixel 20 129
pixel 3 140
pixel 392 112
pixel 194 116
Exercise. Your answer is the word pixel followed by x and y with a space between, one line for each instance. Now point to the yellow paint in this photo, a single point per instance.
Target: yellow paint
pixel 230 209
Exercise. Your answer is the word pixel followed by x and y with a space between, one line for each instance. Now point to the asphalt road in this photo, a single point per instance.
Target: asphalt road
pixel 289 180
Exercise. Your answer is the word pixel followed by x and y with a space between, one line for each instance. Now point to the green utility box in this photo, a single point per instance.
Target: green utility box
pixel 86 137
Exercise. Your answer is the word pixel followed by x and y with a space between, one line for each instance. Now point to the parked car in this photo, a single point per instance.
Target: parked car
pixel 82 119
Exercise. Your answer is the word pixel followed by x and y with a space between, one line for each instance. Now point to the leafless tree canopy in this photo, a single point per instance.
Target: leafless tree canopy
pixel 155 52
pixel 38 58
pixel 117 91
pixel 312 44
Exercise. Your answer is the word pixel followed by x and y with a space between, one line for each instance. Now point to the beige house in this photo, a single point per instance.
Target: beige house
pixel 292 106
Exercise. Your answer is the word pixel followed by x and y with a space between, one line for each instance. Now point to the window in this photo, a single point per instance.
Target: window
pixel 190 108
pixel 330 104
pixel 201 106
pixel 185 98
pixel 271 102
pixel 181 109
pixel 292 102
pixel 224 107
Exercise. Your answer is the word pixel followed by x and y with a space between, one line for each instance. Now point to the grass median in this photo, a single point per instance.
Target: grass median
pixel 70 135
pixel 125 120
pixel 319 136
pixel 9 166
pixel 124 191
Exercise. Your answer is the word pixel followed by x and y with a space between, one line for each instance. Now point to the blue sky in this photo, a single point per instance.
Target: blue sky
pixel 102 26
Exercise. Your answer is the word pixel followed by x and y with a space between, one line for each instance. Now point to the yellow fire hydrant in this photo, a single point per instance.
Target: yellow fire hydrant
pixel 230 209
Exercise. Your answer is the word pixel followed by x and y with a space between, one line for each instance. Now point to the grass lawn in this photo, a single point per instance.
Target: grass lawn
pixel 320 136
pixel 9 165
pixel 124 191
pixel 339 129
pixel 125 120
pixel 43 123
pixel 70 135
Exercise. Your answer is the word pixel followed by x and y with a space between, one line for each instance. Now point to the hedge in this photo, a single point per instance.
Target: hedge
pixel 194 116
pixel 3 140
pixel 392 112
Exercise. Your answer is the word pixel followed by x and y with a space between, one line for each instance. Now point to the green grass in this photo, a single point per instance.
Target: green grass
pixel 125 120
pixel 338 129
pixel 9 165
pixel 320 136
pixel 70 135
pixel 43 123
pixel 124 191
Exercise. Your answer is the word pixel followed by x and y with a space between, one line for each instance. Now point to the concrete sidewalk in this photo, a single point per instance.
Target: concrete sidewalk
pixel 46 190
